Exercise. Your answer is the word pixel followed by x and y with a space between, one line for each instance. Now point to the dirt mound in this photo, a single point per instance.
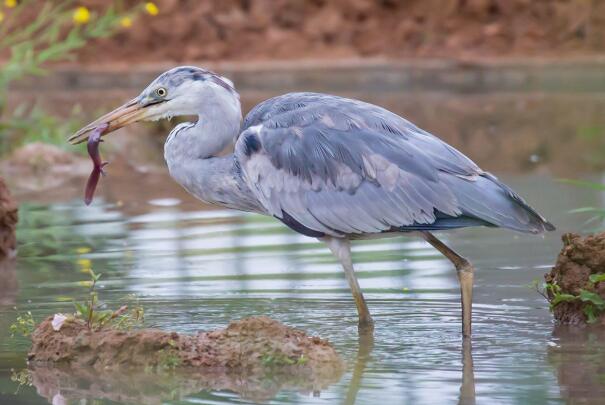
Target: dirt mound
pixel 8 222
pixel 576 285
pixel 252 344
pixel 192 30
pixel 38 166
pixel 41 156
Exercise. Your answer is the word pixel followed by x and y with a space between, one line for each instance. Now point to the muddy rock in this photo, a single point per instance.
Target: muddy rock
pixel 250 345
pixel 8 222
pixel 38 167
pixel 38 156
pixel 579 258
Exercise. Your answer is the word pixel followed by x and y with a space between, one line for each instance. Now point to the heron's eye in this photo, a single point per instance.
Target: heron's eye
pixel 161 92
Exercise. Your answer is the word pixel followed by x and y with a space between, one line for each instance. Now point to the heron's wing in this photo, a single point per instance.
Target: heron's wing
pixel 330 165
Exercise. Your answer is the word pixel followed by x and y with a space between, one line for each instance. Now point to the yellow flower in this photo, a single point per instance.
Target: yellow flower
pixel 81 15
pixel 151 8
pixel 1 16
pixel 86 263
pixel 82 250
pixel 10 3
pixel 126 22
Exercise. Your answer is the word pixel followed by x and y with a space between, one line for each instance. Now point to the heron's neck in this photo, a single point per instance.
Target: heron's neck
pixel 191 154
pixel 217 126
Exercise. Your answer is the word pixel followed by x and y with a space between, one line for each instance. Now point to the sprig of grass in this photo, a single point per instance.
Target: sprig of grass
pixel 96 318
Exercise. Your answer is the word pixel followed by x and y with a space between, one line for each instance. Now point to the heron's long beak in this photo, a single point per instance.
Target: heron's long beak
pixel 131 112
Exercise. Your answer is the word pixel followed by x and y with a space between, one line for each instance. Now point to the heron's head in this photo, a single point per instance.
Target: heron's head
pixel 180 91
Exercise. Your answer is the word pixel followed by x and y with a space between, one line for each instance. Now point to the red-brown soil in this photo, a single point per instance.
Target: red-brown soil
pixel 8 222
pixel 255 357
pixel 579 258
pixel 248 345
pixel 191 30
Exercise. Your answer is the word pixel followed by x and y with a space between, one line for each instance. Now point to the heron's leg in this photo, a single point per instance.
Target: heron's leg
pixel 465 276
pixel 341 248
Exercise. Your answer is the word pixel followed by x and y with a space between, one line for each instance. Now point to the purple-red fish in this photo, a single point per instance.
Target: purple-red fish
pixel 94 140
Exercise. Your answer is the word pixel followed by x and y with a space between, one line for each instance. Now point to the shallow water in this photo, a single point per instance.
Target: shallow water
pixel 198 269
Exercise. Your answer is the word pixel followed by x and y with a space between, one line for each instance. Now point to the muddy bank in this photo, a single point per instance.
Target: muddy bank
pixel 252 345
pixel 8 246
pixel 575 287
pixel 8 222
pixel 288 29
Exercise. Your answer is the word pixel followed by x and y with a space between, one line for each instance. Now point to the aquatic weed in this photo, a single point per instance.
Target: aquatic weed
pixel 594 304
pixel 22 377
pixel 24 325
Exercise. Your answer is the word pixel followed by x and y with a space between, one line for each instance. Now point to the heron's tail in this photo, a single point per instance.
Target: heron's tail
pixel 488 199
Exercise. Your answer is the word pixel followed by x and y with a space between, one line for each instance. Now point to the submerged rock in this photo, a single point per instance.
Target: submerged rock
pixel 8 222
pixel 576 285
pixel 250 345
pixel 38 167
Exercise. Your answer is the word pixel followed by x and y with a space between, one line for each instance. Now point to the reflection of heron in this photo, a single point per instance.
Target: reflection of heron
pixel 328 167
pixel 364 351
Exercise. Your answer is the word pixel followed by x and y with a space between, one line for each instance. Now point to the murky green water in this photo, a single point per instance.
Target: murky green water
pixel 198 269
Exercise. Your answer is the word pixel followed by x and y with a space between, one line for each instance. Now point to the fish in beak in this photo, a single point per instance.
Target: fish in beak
pixel 129 113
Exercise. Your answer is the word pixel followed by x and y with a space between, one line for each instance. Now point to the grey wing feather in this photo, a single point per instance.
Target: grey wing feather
pixel 330 165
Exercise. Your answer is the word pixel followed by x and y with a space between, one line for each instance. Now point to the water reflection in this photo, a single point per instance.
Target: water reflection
pixel 578 358
pixel 9 290
pixel 364 350
pixel 9 287
pixel 467 389
pixel 366 344
pixel 64 384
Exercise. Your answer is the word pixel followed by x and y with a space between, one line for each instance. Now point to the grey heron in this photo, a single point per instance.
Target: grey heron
pixel 328 167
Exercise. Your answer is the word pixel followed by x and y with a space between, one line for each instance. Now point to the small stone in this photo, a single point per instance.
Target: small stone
pixel 58 321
